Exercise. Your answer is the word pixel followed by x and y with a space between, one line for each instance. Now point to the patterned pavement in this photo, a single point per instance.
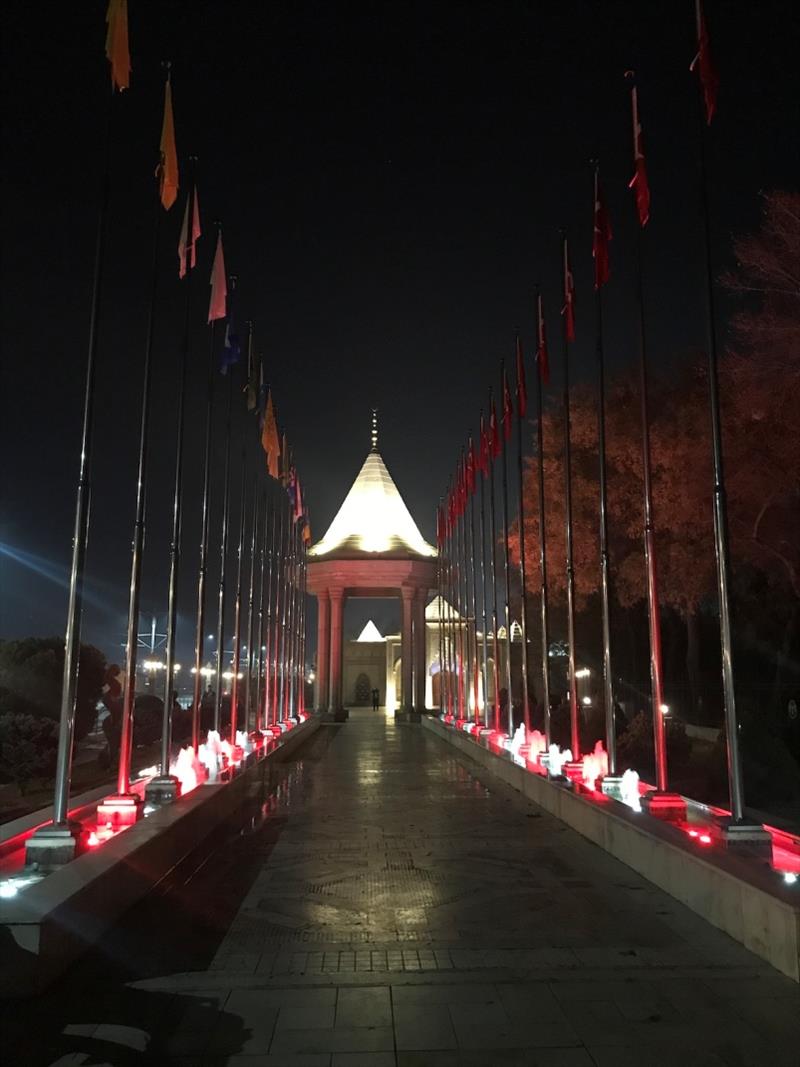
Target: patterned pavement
pixel 384 904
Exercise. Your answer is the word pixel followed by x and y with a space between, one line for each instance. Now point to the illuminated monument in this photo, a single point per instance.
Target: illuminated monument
pixel 372 549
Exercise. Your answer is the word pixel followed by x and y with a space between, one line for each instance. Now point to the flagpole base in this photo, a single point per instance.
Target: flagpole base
pixel 52 846
pixel 119 811
pixel 162 789
pixel 664 805
pixel 747 834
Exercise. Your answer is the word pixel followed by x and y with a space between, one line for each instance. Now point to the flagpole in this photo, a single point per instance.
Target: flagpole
pixel 264 648
pixel 200 629
pixel 506 568
pixel 474 601
pixel 439 591
pixel 462 596
pixel 721 537
pixel 248 692
pixel 237 608
pixel 451 603
pixel 493 576
pixel 526 710
pixel 575 744
pixel 292 622
pixel 165 787
pixel 545 625
pixel 223 557
pixel 485 460
pixel 55 840
pixel 279 617
pixel 654 620
pixel 129 695
pixel 605 570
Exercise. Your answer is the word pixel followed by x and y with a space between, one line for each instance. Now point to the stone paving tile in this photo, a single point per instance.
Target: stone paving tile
pixel 422 1025
pixel 340 1039
pixel 364 1006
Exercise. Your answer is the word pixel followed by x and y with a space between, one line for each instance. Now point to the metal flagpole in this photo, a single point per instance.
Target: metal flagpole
pixel 223 557
pixel 484 466
pixel 463 607
pixel 248 691
pixel 263 615
pixel 521 412
pixel 493 563
pixel 291 659
pixel 541 370
pixel 656 673
pixel 166 787
pixel 475 662
pixel 284 580
pixel 740 827
pixel 54 842
pixel 575 743
pixel 271 616
pixel 237 608
pixel 452 599
pixel 200 627
pixel 439 591
pixel 129 695
pixel 507 415
pixel 279 617
pixel 656 669
pixel 605 573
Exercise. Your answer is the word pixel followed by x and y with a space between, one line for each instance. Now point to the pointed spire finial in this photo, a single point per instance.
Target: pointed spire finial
pixel 374 429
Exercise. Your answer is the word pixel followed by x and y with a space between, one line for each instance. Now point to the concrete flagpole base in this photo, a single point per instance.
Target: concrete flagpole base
pixel 162 789
pixel 51 846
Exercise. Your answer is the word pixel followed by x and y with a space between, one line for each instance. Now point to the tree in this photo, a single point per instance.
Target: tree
pixel 31 676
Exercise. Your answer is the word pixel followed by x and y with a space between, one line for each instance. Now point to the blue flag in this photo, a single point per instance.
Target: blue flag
pixel 232 348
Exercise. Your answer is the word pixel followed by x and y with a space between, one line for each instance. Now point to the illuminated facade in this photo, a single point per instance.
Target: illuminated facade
pixel 372 548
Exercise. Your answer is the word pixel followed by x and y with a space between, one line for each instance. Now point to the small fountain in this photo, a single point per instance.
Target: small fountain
pixel 594 766
pixel 629 790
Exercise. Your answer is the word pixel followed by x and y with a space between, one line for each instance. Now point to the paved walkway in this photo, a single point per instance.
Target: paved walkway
pixel 385 907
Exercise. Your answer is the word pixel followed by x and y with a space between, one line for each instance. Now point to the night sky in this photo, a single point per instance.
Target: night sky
pixel 390 181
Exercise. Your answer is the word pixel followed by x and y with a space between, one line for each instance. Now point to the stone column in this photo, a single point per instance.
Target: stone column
pixel 335 686
pixel 406 653
pixel 323 648
pixel 420 664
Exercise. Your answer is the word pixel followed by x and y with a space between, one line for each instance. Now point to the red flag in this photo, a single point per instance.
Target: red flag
pixel 522 389
pixel 439 527
pixel 704 65
pixel 187 252
pixel 461 486
pixel 494 436
pixel 483 449
pixel 117 51
pixel 602 236
pixel 218 308
pixel 542 361
pixel 508 409
pixel 568 310
pixel 638 182
pixel 168 167
pixel 470 468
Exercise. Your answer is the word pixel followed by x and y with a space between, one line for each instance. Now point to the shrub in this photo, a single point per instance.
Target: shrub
pixel 31 673
pixel 28 748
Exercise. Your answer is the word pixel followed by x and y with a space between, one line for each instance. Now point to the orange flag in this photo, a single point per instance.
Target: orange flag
pixel 168 168
pixel 269 438
pixel 218 307
pixel 117 52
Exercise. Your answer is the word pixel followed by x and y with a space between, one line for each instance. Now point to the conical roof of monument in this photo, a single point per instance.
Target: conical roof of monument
pixel 373 521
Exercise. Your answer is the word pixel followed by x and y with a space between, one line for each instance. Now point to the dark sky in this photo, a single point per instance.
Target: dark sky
pixel 390 180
